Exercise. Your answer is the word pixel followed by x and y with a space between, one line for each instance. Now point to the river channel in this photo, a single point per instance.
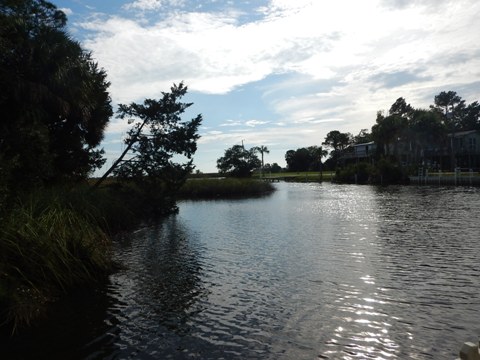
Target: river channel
pixel 313 271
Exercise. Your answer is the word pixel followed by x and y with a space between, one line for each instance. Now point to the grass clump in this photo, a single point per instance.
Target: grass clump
pixel 224 188
pixel 49 243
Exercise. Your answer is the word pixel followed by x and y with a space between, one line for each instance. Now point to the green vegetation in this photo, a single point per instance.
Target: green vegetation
pixel 239 162
pixel 56 225
pixel 404 139
pixel 224 188
pixel 53 99
pixel 51 241
pixel 305 159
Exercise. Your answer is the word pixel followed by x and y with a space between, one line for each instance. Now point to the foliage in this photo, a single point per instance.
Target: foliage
pixel 272 168
pixel 411 132
pixel 238 161
pixel 388 172
pixel 157 136
pixel 224 188
pixel 387 131
pixel 359 173
pixel 384 172
pixel 304 159
pixel 49 242
pixel 451 106
pixel 337 140
pixel 363 137
pixel 262 149
pixel 53 98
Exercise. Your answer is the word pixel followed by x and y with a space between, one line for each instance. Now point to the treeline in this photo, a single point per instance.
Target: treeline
pixel 401 127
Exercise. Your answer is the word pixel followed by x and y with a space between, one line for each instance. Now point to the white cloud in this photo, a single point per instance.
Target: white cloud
pixel 149 5
pixel 66 11
pixel 214 54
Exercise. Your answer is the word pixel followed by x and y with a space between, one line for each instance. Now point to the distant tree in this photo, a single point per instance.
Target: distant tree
pixel 452 107
pixel 337 140
pixel 157 137
pixel 401 108
pixel 298 160
pixel 273 168
pixel 53 97
pixel 316 155
pixel 387 131
pixel 426 129
pixel 363 137
pixel 238 161
pixel 262 150
pixel 471 118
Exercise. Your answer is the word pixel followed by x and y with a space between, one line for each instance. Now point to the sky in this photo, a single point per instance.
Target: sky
pixel 278 73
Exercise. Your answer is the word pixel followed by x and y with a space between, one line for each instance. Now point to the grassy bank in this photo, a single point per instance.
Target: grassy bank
pixel 303 176
pixel 54 240
pixel 51 241
pixel 224 188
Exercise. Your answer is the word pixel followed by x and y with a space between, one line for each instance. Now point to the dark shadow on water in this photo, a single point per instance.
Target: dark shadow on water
pixel 142 311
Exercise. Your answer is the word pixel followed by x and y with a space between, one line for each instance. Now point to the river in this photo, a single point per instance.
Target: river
pixel 313 271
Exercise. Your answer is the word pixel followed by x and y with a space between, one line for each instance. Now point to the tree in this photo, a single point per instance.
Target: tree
pixel 451 106
pixel 262 149
pixel 401 108
pixel 273 168
pixel 426 130
pixel 338 141
pixel 388 131
pixel 363 137
pixel 53 97
pixel 304 159
pixel 238 162
pixel 471 119
pixel 157 136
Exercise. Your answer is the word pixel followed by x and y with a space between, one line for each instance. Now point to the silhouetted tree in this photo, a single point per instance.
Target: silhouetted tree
pixel 262 150
pixel 157 137
pixel 53 97
pixel 238 161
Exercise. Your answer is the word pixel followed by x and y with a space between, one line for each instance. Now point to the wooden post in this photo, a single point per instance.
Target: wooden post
pixel 469 351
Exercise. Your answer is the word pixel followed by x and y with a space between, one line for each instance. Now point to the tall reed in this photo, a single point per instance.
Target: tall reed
pixel 46 247
pixel 224 188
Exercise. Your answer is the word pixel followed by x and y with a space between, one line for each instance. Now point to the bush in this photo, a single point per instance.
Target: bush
pixel 388 172
pixel 354 174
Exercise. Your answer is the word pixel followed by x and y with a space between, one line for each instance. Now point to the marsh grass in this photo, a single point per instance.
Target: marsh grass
pixel 51 241
pixel 224 188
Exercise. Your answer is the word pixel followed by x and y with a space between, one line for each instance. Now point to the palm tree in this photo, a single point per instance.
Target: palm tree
pixel 262 150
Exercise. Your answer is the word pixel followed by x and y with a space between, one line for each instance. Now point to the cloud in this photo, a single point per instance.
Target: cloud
pixel 216 53
pixel 149 5
pixel 399 78
pixel 66 11
pixel 318 66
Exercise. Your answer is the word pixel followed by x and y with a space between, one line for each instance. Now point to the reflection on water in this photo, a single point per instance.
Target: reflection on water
pixel 313 271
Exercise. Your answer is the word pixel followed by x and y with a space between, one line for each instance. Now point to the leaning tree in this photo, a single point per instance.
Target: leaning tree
pixel 159 147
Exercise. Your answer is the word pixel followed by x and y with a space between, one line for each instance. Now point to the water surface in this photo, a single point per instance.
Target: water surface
pixel 313 271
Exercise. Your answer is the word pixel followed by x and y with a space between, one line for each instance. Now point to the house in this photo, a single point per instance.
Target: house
pixel 466 148
pixel 457 150
pixel 358 152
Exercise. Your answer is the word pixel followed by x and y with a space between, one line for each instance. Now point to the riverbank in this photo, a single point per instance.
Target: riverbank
pixel 51 241
pixel 55 240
